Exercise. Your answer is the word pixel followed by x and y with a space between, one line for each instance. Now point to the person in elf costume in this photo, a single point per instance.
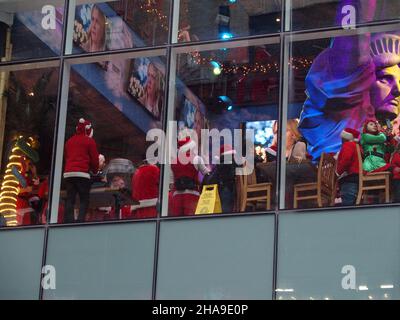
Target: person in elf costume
pixel 375 144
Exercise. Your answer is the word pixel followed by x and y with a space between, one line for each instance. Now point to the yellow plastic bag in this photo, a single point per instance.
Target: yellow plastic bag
pixel 209 201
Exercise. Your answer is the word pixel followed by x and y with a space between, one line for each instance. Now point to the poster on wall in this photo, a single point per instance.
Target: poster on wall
pixel 95 31
pixel 191 116
pixel 147 85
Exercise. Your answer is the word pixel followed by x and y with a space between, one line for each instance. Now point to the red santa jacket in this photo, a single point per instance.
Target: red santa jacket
pixel 189 170
pixel 396 164
pixel 145 182
pixel 347 163
pixel 81 156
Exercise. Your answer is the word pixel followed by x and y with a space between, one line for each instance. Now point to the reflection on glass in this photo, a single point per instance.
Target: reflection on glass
pixel 312 14
pixel 225 20
pixel 107 174
pixel 226 111
pixel 30 29
pixel 27 130
pixel 124 24
pixel 349 120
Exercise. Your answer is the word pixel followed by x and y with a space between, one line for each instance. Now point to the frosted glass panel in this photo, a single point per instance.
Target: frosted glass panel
pixel 102 262
pixel 216 259
pixel 314 248
pixel 20 263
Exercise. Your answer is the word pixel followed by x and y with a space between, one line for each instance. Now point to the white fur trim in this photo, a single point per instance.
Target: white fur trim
pixel 270 151
pixel 187 191
pixel 148 203
pixel 22 211
pixel 188 146
pixel 76 175
pixel 347 136
pixel 81 120
pixel 34 198
pixel 228 152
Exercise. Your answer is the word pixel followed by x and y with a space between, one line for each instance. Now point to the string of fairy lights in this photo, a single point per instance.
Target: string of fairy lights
pixel 149 8
pixel 298 64
pixel 295 63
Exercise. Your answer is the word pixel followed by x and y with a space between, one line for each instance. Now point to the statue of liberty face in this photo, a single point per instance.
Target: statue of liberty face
pixel 385 92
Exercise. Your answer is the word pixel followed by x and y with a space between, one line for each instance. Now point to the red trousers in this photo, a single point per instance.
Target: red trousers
pixel 183 204
pixel 142 213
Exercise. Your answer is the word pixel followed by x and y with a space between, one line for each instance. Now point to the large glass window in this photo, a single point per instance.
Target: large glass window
pixel 30 29
pixel 223 19
pixel 28 99
pixel 225 117
pixel 313 14
pixel 342 128
pixel 111 106
pixel 124 24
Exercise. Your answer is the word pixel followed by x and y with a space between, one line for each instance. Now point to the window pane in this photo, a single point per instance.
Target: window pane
pixel 124 24
pixel 214 265
pixel 111 107
pixel 226 104
pixel 31 29
pixel 28 111
pixel 344 97
pixel 102 262
pixel 20 264
pixel 351 254
pixel 312 14
pixel 210 19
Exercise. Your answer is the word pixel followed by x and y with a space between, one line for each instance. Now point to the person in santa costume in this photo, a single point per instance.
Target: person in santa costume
pixel 185 176
pixel 26 213
pixel 374 143
pixel 145 186
pixel 81 157
pixel 347 168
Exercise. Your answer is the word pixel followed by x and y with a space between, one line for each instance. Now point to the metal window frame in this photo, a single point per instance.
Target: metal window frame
pixel 286 38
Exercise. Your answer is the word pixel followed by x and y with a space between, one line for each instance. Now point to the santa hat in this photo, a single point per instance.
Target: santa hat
pixel 226 149
pixel 84 127
pixel 186 144
pixel 350 134
pixel 271 150
pixel 385 50
pixel 365 130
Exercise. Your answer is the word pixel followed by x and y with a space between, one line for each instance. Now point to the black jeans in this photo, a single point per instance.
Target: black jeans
pixel 349 193
pixel 74 186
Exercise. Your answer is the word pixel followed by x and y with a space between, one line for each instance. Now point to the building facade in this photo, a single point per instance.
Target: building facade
pixel 286 112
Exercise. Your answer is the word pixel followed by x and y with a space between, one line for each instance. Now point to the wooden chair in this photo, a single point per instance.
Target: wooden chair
pixel 324 187
pixel 253 192
pixel 379 180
